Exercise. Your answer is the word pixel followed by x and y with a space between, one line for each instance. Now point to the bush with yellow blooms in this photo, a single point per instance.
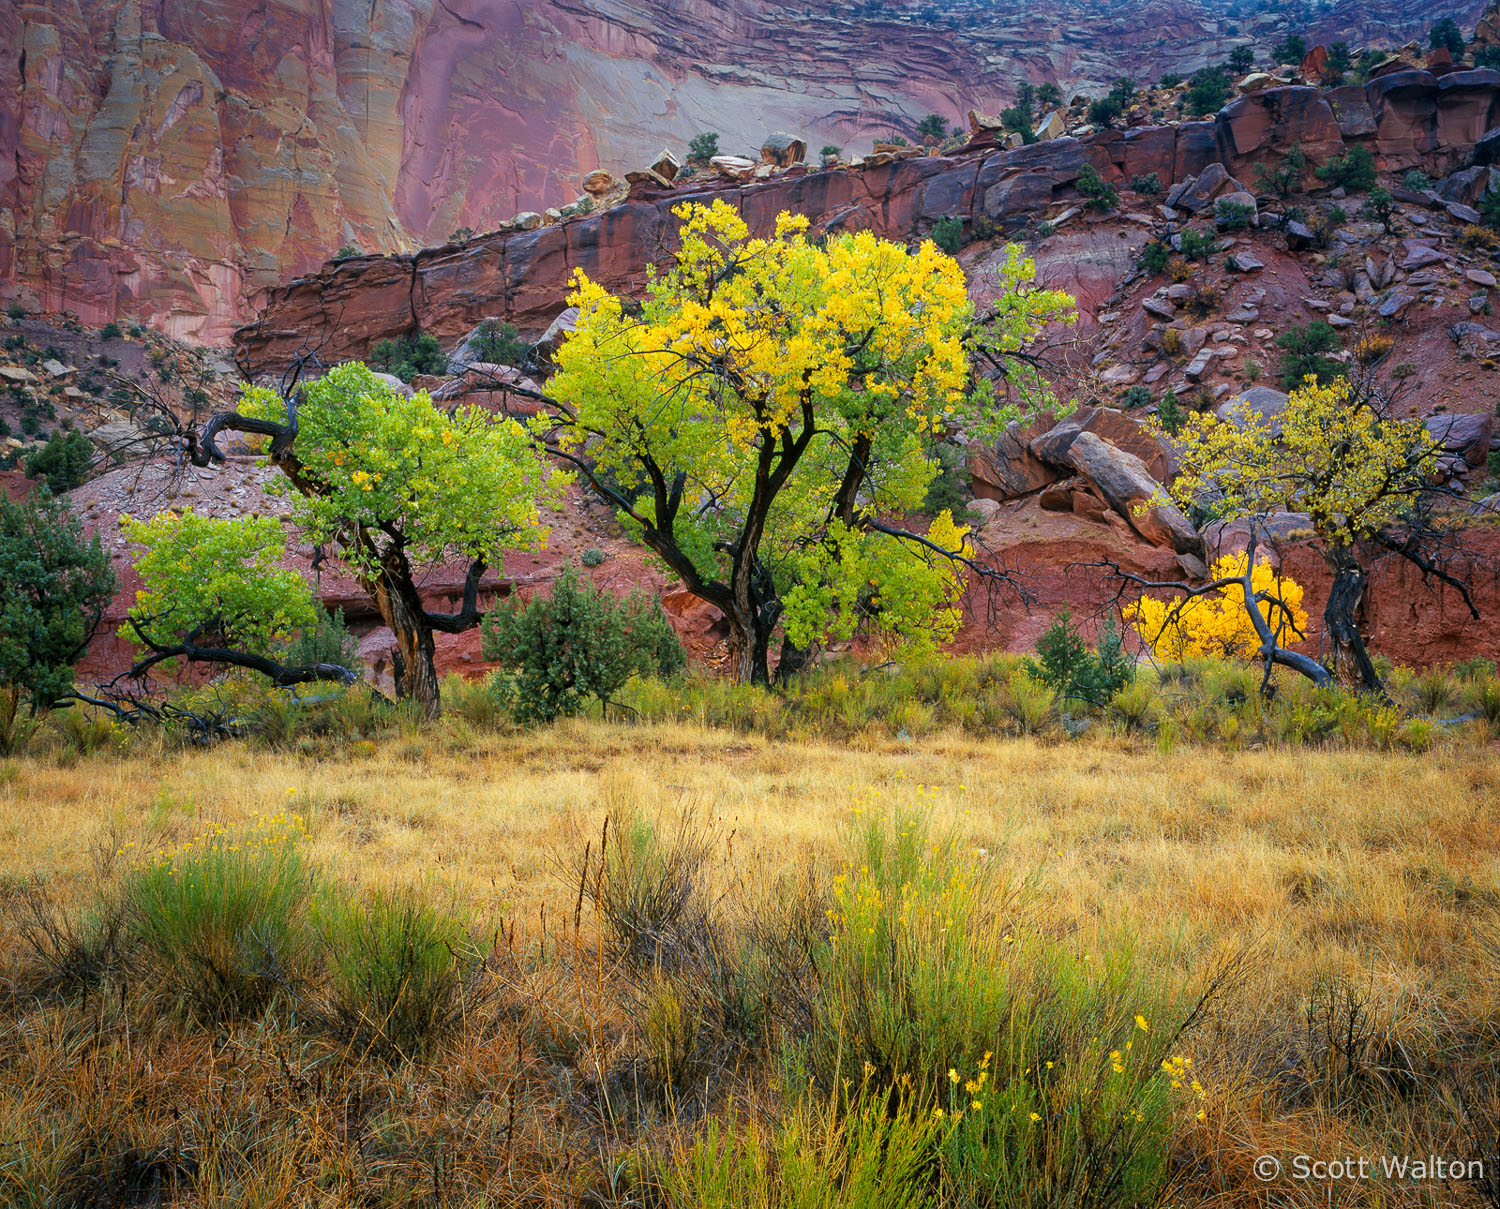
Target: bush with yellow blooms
pixel 1218 624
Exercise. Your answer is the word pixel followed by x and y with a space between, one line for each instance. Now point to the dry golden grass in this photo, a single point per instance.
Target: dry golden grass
pixel 1373 871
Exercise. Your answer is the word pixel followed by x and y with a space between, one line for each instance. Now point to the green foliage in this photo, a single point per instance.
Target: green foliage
pixel 1169 413
pixel 1147 185
pixel 1155 256
pixel 1340 63
pixel 327 640
pixel 461 234
pixel 1446 35
pixel 498 343
pixel 1241 59
pixel 948 234
pixel 932 128
pixel 63 462
pixel 1198 245
pixel 949 490
pixel 397 966
pixel 16 310
pixel 110 331
pixel 1101 194
pixel 408 356
pixel 1354 170
pixel 348 250
pixel 703 147
pixel 1489 209
pixel 1232 215
pixel 1416 180
pixel 1105 111
pixel 1292 49
pixel 1303 353
pixel 217 579
pixel 1138 395
pixel 1487 56
pixel 1169 79
pixel 460 484
pixel 1053 1075
pixel 592 557
pixel 57 585
pixel 1208 89
pixel 830 149
pixel 1066 663
pixel 575 645
pixel 1379 207
pixel 221 918
pixel 1050 94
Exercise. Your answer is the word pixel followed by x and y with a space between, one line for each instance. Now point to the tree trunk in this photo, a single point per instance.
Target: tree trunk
pixel 793 660
pixel 1351 662
pixel 749 652
pixel 400 606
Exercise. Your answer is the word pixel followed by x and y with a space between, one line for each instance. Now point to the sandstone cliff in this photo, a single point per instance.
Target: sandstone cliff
pixel 1410 119
pixel 171 160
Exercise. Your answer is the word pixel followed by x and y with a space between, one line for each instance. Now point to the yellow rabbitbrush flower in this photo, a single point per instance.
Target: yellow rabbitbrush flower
pixel 1217 625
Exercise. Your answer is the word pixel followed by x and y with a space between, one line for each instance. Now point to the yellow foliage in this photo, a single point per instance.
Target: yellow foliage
pixel 1352 469
pixel 1217 624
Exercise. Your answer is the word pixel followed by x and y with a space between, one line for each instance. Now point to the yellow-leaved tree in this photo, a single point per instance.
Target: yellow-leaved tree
pixel 1365 480
pixel 765 417
pixel 1216 624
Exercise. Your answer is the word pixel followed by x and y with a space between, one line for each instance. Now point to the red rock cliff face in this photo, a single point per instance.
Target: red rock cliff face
pixel 1410 119
pixel 172 159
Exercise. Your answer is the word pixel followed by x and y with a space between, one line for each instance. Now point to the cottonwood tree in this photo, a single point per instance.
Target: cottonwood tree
pixel 398 487
pixel 769 411
pixel 1364 479
pixel 212 591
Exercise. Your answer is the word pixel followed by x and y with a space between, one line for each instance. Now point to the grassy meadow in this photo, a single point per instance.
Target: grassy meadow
pixel 720 954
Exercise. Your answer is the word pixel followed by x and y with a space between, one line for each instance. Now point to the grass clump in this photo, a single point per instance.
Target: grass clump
pixel 398 967
pixel 221 918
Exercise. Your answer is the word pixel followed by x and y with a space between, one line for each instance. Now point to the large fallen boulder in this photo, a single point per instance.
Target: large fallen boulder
pixel 1465 436
pixel 783 150
pixel 1124 483
pixel 1051 444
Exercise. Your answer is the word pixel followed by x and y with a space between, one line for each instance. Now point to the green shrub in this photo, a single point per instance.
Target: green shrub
pixel 1169 413
pixel 1138 395
pixel 498 343
pixel 1030 702
pixel 1148 185
pixel 1155 257
pixel 63 463
pixel 16 310
pixel 221 918
pixel 1208 89
pixel 408 356
pixel 1232 215
pixel 1489 209
pixel 577 644
pixel 1303 348
pixel 592 557
pixel 1416 180
pixel 110 331
pixel 397 969
pixel 949 489
pixel 649 892
pixel 1198 245
pixel 1354 170
pixel 329 640
pixel 348 250
pixel 830 149
pixel 1068 665
pixel 1284 176
pixel 1100 194
pixel 1054 1073
pixel 703 147
pixel 1292 49
pixel 1379 207
pixel 948 234
pixel 1105 111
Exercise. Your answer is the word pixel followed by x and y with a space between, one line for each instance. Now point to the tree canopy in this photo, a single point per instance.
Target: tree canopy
pixel 58 584
pixel 393 484
pixel 767 416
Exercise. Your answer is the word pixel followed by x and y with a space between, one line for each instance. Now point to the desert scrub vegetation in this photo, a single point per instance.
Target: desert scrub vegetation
pixel 937 974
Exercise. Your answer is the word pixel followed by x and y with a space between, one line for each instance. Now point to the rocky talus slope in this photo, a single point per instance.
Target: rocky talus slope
pixel 171 160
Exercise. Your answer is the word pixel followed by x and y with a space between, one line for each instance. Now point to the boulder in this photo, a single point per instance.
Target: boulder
pixel 1465 436
pixel 1052 444
pixel 735 167
pixel 1198 191
pixel 1053 126
pixel 666 166
pixel 598 182
pixel 1257 80
pixel 1009 469
pixel 396 384
pixel 526 220
pixel 783 150
pixel 1124 483
pixel 1260 402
